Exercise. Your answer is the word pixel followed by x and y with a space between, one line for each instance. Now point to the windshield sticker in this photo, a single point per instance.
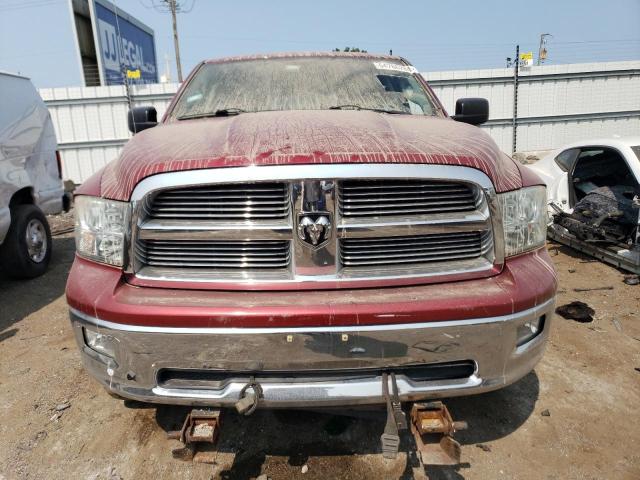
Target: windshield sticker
pixel 395 67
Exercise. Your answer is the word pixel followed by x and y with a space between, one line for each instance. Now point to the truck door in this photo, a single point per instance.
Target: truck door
pixel 559 189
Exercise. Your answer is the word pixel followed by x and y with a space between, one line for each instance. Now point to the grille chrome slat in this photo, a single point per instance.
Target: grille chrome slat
pixel 415 211
pixel 237 265
pixel 379 198
pixel 168 202
pixel 205 256
pixel 387 257
pixel 409 203
pixel 413 249
pixel 415 240
pixel 408 249
pixel 251 202
pixel 231 188
pixel 405 191
pixel 215 210
pixel 181 249
pixel 388 198
pixel 275 198
pixel 213 216
pixel 214 254
pixel 411 261
pixel 400 184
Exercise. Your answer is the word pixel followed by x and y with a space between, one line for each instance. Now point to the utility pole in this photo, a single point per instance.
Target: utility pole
pixel 173 8
pixel 127 88
pixel 542 51
pixel 515 101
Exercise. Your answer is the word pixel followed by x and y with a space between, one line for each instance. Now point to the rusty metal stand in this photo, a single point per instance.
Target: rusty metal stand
pixel 433 429
pixel 396 419
pixel 202 426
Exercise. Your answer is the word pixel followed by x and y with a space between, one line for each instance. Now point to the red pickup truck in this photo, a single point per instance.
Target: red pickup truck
pixel 305 225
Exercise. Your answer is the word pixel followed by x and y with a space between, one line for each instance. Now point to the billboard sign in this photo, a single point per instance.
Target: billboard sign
pixel 122 44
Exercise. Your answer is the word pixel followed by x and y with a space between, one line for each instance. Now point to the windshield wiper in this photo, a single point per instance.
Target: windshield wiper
pixel 359 107
pixel 222 112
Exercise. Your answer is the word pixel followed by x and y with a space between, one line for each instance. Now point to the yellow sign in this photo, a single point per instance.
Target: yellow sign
pixel 133 73
pixel 526 59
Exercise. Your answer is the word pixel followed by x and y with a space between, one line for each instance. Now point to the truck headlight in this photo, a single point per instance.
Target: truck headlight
pixel 102 228
pixel 524 219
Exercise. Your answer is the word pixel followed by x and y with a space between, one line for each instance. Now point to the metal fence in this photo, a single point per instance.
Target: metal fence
pixel 91 122
pixel 557 104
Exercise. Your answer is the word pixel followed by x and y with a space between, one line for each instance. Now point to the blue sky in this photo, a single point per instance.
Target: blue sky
pixel 36 37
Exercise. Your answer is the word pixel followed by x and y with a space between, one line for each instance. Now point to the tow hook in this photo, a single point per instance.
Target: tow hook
pixel 433 429
pixel 396 419
pixel 250 396
pixel 201 426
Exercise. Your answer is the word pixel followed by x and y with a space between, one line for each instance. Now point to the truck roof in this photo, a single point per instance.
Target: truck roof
pixel 612 141
pixel 266 56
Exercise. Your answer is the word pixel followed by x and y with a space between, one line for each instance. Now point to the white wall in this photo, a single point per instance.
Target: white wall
pixel 557 104
pixel 91 122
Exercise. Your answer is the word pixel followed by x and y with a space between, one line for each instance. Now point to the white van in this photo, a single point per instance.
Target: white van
pixel 30 178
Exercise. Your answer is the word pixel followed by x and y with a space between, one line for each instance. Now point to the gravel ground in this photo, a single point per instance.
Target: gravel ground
pixel 57 423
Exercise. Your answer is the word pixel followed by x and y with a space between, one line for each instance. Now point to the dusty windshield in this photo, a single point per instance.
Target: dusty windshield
pixel 298 83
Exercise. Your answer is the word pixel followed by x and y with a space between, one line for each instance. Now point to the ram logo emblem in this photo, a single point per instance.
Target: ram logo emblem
pixel 314 228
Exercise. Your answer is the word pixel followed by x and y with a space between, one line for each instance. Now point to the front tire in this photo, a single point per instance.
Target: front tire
pixel 26 250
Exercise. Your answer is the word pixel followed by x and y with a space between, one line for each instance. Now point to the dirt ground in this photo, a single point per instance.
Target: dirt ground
pixel 588 383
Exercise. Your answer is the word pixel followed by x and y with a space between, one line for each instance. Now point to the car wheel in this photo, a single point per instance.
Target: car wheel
pixel 26 250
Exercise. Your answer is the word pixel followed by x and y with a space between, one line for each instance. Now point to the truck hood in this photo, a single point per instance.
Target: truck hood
pixel 305 137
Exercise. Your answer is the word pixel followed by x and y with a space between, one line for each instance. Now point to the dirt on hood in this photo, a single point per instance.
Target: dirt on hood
pixel 306 137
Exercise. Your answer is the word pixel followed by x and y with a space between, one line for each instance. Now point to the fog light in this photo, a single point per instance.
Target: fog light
pixel 101 343
pixel 529 330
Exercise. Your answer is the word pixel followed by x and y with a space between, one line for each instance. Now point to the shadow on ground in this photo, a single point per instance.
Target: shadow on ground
pixel 299 434
pixel 20 298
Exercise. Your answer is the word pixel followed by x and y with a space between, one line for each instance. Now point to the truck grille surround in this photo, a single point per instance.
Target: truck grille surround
pixel 294 230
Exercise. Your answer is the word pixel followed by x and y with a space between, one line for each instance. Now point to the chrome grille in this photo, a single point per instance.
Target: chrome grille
pixel 214 254
pixel 251 227
pixel 359 252
pixel 360 198
pixel 248 201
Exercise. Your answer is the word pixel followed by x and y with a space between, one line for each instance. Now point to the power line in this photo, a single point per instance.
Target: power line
pixel 411 44
pixel 148 7
pixel 26 5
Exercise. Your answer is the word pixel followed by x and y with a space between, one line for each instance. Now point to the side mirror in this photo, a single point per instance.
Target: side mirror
pixel 141 118
pixel 473 111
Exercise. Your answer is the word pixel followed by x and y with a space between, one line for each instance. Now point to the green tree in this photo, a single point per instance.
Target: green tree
pixel 350 49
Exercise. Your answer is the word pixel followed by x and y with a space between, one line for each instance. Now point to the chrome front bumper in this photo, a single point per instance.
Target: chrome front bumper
pixel 304 367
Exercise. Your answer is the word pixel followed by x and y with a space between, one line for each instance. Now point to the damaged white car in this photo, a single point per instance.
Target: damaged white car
pixel 594 198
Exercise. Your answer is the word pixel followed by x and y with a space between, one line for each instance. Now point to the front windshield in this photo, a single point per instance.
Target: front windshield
pixel 304 83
